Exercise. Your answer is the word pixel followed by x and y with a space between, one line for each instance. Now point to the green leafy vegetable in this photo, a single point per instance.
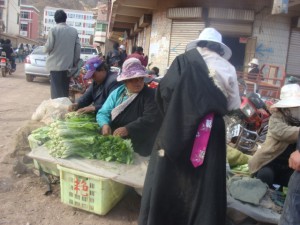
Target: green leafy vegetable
pixel 78 136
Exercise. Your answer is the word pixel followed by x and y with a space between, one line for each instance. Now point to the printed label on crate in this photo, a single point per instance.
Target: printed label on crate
pixel 81 187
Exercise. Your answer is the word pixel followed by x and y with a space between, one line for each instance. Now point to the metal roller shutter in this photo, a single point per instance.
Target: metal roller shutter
pixel 293 61
pixel 232 28
pixel 181 34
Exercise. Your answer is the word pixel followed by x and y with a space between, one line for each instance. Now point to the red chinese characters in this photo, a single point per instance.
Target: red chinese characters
pixel 81 187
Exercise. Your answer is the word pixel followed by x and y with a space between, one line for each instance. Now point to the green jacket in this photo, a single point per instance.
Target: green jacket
pixel 279 136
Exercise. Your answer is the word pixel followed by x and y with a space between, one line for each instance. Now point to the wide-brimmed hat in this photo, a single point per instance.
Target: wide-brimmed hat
pixel 210 34
pixel 91 66
pixel 132 68
pixel 289 97
pixel 122 47
pixel 254 61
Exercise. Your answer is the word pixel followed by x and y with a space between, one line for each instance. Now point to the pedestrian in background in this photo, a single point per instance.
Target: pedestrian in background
pixel 123 54
pixel 26 49
pixel 139 54
pixel 21 53
pixel 63 48
pixel 114 57
pixel 7 48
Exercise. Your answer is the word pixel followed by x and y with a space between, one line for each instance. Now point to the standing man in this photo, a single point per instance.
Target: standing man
pixel 63 48
pixel 123 54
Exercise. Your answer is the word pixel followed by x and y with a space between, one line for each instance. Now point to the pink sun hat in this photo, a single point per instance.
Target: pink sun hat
pixel 132 68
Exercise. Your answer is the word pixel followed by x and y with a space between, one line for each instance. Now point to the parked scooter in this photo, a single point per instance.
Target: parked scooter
pixel 249 124
pixel 5 65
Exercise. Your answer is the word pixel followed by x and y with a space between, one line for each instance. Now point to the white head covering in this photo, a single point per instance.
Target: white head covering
pixel 122 47
pixel 254 61
pixel 210 34
pixel 289 97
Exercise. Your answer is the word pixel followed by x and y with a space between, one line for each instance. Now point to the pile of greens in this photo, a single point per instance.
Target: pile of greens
pixel 41 134
pixel 78 136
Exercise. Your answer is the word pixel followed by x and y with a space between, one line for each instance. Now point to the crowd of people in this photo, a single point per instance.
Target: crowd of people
pixel 163 123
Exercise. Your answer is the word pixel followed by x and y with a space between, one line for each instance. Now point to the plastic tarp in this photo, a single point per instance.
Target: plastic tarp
pixel 258 213
pixel 131 175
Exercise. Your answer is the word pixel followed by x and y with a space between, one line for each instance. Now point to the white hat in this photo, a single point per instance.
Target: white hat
pixel 289 97
pixel 254 61
pixel 122 47
pixel 210 34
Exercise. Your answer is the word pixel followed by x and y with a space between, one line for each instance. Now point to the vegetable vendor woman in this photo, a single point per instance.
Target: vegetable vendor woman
pixel 104 82
pixel 130 111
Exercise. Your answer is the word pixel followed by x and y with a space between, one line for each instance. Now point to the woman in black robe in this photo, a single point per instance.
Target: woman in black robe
pixel 176 193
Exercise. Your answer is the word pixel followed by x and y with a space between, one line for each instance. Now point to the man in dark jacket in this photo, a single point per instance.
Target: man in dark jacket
pixel 7 48
pixel 104 82
pixel 114 57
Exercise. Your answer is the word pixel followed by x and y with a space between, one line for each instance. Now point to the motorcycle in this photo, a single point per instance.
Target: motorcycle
pixel 5 65
pixel 78 85
pixel 249 124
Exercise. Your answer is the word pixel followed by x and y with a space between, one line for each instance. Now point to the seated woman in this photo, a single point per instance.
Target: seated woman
pixel 104 82
pixel 270 163
pixel 130 111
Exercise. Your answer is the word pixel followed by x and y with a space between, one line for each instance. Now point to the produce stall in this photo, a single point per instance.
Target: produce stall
pixel 95 171
pixel 132 175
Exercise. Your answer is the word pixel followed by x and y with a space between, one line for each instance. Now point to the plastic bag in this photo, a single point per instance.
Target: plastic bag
pixel 52 109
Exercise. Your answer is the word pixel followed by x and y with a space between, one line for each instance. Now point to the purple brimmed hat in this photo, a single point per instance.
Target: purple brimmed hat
pixel 91 66
pixel 132 68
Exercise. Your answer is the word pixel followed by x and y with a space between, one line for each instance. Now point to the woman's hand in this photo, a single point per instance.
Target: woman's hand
pixel 121 131
pixel 73 107
pixel 106 130
pixel 294 160
pixel 87 109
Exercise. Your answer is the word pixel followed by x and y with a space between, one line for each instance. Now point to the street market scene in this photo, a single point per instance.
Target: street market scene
pixel 150 113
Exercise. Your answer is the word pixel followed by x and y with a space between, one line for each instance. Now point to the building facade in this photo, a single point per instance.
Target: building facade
pixel 83 21
pixel 29 22
pixel 9 16
pixel 102 22
pixel 250 28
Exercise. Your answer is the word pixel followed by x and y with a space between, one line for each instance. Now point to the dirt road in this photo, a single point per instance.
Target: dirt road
pixel 22 195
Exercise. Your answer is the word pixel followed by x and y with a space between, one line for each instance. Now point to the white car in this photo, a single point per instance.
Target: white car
pixel 87 53
pixel 35 64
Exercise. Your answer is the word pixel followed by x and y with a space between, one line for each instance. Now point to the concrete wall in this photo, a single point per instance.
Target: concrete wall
pixel 160 41
pixel 272 32
pixel 10 17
